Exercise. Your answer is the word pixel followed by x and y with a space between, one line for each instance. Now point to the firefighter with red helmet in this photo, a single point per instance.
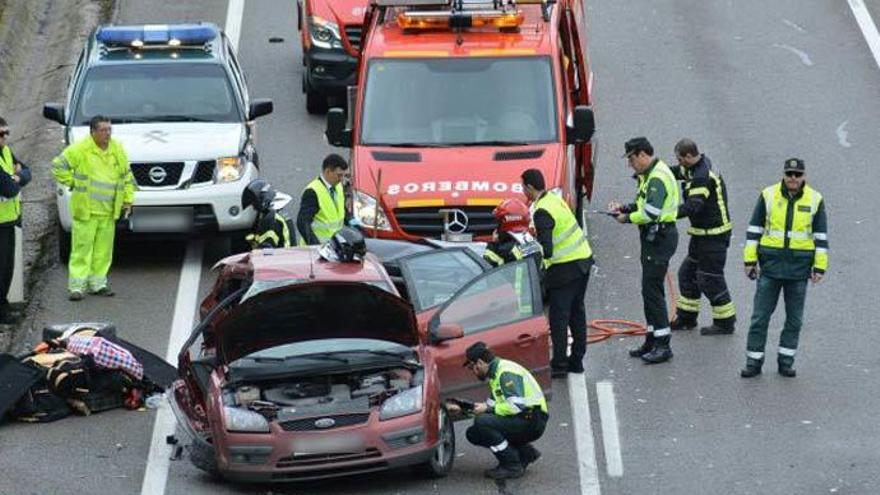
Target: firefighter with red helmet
pixel 512 239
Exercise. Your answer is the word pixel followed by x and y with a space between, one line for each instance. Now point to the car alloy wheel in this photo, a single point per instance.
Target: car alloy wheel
pixel 440 463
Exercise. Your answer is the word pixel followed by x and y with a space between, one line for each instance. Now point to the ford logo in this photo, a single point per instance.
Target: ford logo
pixel 324 423
pixel 158 174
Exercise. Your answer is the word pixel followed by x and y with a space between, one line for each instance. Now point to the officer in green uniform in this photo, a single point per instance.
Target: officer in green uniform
pixel 97 172
pixel 14 175
pixel 786 245
pixel 322 207
pixel 512 418
pixel 654 211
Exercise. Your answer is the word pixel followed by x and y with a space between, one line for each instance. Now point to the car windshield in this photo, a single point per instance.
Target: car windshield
pixel 331 350
pixel 436 277
pixel 130 93
pixel 459 102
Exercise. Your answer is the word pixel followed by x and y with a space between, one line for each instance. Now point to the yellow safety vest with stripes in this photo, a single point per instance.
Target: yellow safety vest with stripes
pixel 258 239
pixel 10 208
pixel 331 213
pixel 569 241
pixel 801 236
pixel 726 224
pixel 75 168
pixel 506 403
pixel 669 212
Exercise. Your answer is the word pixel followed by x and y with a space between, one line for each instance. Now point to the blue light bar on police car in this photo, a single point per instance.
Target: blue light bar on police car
pixel 157 34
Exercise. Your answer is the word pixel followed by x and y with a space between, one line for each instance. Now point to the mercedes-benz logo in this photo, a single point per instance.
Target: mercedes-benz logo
pixel 158 174
pixel 324 423
pixel 458 221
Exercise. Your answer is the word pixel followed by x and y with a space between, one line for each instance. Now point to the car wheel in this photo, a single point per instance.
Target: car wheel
pixel 63 245
pixel 202 456
pixel 440 464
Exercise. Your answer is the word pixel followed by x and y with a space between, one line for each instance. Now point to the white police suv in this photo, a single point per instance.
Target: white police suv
pixel 179 104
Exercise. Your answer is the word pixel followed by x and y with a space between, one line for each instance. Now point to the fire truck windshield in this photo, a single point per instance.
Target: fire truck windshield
pixel 459 102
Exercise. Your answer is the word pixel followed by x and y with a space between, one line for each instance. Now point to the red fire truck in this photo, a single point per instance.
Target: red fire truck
pixel 454 99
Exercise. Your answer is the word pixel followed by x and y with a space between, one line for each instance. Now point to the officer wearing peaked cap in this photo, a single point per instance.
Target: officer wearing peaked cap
pixel 655 211
pixel 786 245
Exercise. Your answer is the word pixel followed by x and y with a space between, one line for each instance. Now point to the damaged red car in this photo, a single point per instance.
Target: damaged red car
pixel 304 369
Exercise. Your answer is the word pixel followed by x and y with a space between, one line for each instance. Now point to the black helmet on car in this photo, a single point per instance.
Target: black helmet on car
pixel 258 194
pixel 345 245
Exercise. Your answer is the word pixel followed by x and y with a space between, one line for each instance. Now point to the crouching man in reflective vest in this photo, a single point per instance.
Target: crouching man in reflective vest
pixel 511 419
pixel 96 171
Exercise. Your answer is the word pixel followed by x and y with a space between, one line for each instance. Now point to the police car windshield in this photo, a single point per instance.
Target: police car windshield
pixel 459 102
pixel 145 92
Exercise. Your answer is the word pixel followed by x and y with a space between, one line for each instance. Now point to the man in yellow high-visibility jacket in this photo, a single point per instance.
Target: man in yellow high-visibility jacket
pixel 322 206
pixel 14 175
pixel 788 239
pixel 97 172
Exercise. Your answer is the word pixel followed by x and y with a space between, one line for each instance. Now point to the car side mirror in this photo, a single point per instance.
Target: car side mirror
pixel 336 132
pixel 54 112
pixel 583 126
pixel 260 107
pixel 446 331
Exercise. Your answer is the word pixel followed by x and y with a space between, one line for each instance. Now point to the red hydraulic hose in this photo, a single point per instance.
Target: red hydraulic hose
pixel 599 330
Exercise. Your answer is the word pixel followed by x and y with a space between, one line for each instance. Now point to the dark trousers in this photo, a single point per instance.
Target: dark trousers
pixel 794 293
pixel 7 263
pixel 702 273
pixel 655 263
pixel 567 310
pixel 490 430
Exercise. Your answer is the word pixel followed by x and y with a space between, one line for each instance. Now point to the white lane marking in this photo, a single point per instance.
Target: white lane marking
pixel 805 59
pixel 610 433
pixel 794 25
pixel 866 24
pixel 588 470
pixel 234 15
pixel 156 473
pixel 842 134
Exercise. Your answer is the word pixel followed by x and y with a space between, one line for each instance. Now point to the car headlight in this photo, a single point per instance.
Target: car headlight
pixel 324 34
pixel 238 419
pixel 229 169
pixel 402 404
pixel 367 209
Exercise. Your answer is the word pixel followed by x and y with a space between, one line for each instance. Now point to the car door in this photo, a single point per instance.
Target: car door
pixel 502 308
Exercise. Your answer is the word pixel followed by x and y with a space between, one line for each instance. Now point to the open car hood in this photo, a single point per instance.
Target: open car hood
pixel 312 311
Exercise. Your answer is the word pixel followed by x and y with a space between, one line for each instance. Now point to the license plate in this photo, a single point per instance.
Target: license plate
pixel 161 219
pixel 349 443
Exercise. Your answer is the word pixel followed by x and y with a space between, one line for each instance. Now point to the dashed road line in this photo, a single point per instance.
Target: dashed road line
pixel 588 470
pixel 610 430
pixel 866 24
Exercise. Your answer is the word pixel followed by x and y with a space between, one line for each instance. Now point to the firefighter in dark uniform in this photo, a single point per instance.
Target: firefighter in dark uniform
pixel 786 246
pixel 271 228
pixel 702 271
pixel 512 240
pixel 655 212
pixel 514 416
pixel 568 259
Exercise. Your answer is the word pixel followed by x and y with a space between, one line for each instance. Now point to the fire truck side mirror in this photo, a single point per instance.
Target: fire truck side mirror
pixel 583 126
pixel 336 132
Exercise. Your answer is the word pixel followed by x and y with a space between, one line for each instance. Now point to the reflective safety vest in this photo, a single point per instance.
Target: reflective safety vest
pixel 569 241
pixel 725 223
pixel 10 208
pixel 76 168
pixel 669 212
pixel 331 214
pixel 514 390
pixel 800 235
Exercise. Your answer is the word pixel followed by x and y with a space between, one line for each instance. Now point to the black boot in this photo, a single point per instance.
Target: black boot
pixel 752 369
pixel 528 454
pixel 661 352
pixel 509 465
pixel 786 370
pixel 646 347
pixel 575 364
pixel 684 320
pixel 720 327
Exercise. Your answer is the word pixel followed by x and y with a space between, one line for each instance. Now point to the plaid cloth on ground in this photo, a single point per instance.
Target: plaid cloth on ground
pixel 106 354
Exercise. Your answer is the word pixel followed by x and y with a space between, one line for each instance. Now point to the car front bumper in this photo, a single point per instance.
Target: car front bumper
pixel 330 71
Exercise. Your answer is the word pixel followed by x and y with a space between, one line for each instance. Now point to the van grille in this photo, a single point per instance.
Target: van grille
pixel 204 171
pixel 428 222
pixel 339 421
pixel 164 174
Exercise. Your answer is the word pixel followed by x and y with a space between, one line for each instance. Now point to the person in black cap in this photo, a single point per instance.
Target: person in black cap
pixel 655 211
pixel 514 416
pixel 786 245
